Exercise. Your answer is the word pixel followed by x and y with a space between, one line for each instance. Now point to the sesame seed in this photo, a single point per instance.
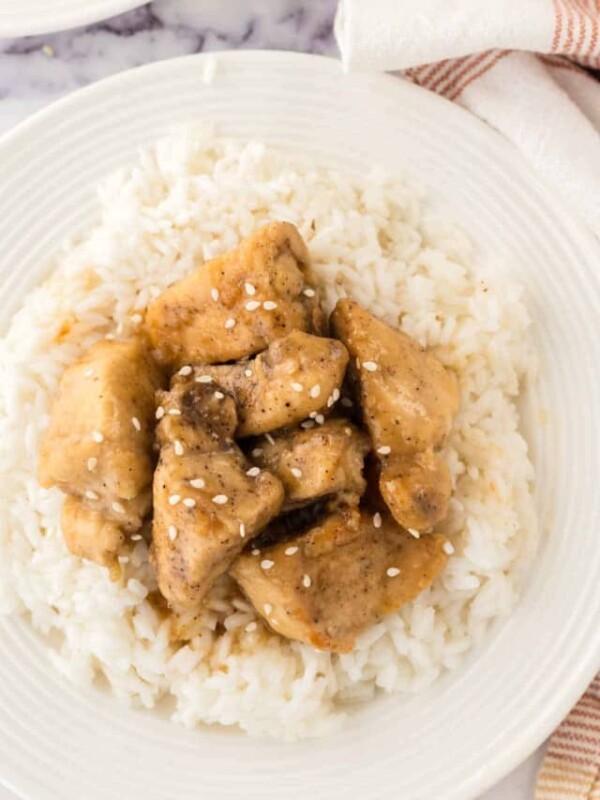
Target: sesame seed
pixel 307 425
pixel 289 551
pixel 249 289
pixel 313 414
pixel 91 495
pixel 160 412
pixel 136 537
pixel 174 412
pixel 377 520
pixel 230 323
pixel 89 372
pixel 218 395
pixel 172 532
pixel 320 419
pixel 269 305
pixel 309 292
pixel 174 499
pixel 185 371
pixel 414 533
pixel 384 450
pixel 348 431
pixel 109 336
pixel 136 423
pixel 370 366
pixel 296 472
pixel 268 609
pixel 346 402
pixel 297 387
pixel 97 436
pixel 220 499
pixel 336 395
pixel 315 390
pixel 267 564
pixel 448 548
pixel 257 452
pixel 178 448
pixel 250 627
pixel 204 379
pixel 256 552
pixel 118 507
pixel 248 373
pixel 242 530
pixel 253 472
pixel 92 463
pixel 306 581
pixel 252 305
pixel 269 438
pixel 189 502
pixel 392 572
pixel 136 318
pixel 197 483
pixel 123 559
pixel 214 293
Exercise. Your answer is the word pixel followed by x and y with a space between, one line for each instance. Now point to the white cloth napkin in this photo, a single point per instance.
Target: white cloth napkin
pixel 472 53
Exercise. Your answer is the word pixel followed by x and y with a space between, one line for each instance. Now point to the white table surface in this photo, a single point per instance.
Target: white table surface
pixel 37 70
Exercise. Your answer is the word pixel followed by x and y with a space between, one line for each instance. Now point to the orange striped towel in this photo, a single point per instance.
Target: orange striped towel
pixel 571 767
pixel 517 64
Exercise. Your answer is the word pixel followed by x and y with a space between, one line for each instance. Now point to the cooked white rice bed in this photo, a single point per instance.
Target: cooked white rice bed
pixel 191 199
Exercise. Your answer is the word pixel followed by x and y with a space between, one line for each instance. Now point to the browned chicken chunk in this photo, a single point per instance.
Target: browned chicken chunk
pixel 98 446
pixel 317 462
pixel 409 400
pixel 235 305
pixel 329 584
pixel 417 490
pixel 90 535
pixel 297 376
pixel 207 500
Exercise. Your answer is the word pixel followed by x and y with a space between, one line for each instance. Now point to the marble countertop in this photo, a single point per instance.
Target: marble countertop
pixel 37 70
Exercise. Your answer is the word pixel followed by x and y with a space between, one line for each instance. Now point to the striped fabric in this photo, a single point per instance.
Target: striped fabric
pixel 571 767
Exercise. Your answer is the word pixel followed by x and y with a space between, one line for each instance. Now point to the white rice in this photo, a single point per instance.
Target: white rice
pixel 189 200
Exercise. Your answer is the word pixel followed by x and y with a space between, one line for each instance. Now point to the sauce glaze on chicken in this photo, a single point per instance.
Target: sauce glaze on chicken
pixel 225 426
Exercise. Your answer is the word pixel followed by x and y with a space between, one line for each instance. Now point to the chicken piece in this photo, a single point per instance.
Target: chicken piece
pixel 99 445
pixel 297 376
pixel 317 462
pixel 417 491
pixel 409 400
pixel 235 305
pixel 90 535
pixel 206 505
pixel 329 584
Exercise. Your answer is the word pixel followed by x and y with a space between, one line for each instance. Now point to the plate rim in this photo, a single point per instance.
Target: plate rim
pixel 11 26
pixel 532 735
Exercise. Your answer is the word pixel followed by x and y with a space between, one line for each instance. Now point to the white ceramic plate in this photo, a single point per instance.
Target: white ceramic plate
pixel 32 17
pixel 462 735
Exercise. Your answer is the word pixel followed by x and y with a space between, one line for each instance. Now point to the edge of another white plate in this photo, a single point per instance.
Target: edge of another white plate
pixel 59 15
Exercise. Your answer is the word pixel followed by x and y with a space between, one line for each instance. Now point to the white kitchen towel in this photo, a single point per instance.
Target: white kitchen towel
pixel 473 53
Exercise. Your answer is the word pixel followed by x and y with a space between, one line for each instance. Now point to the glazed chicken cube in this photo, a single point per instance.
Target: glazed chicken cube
pixel 297 376
pixel 234 306
pixel 409 400
pixel 206 504
pixel 327 585
pixel 99 445
pixel 417 490
pixel 89 534
pixel 315 463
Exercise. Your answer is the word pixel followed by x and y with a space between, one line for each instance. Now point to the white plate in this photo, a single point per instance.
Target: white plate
pixel 32 17
pixel 462 735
